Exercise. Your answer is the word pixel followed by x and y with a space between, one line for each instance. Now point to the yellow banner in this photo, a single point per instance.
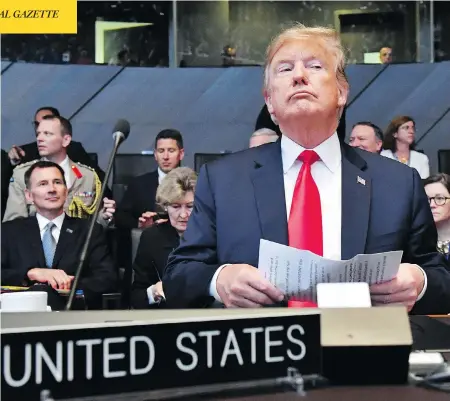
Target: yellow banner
pixel 38 16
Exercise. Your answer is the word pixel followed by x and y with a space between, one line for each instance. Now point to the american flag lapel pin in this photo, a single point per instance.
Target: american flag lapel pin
pixel 69 230
pixel 360 180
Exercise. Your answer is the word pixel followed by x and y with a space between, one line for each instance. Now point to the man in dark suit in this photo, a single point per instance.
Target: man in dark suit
pixel 308 190
pixel 6 176
pixel 45 248
pixel 28 152
pixel 137 208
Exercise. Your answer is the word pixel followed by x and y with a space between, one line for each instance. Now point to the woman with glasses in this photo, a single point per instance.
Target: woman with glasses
pixel 437 188
pixel 175 195
pixel 398 144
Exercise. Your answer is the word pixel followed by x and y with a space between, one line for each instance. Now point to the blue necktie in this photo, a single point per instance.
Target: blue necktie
pixel 49 244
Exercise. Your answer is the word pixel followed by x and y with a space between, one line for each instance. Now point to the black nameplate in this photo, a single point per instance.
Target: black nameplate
pixel 108 360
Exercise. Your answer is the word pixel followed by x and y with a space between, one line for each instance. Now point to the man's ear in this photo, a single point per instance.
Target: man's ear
pixel 28 196
pixel 343 89
pixel 181 154
pixel 269 105
pixel 66 140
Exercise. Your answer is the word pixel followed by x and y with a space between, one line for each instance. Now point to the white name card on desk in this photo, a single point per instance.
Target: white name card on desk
pixel 343 295
pixel 297 272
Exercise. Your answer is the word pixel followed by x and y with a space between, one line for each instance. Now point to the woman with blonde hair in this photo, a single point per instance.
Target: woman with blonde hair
pixel 175 195
pixel 399 144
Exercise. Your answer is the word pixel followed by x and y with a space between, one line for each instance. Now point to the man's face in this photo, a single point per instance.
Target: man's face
pixel 386 55
pixel 168 155
pixel 364 137
pixel 303 83
pixel 46 189
pixel 50 139
pixel 40 116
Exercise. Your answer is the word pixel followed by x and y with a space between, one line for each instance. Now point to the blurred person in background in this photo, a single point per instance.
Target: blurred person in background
pixel 437 188
pixel 176 196
pixel 28 152
pixel 386 55
pixel 366 136
pixel 262 136
pixel 137 208
pixel 399 144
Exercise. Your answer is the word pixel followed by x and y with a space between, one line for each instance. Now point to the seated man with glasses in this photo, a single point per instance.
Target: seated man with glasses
pixel 437 188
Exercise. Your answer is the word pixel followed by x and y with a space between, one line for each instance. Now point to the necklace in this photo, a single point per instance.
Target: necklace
pixel 443 247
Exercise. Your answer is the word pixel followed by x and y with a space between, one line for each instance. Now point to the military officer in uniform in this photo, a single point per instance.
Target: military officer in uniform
pixel 53 135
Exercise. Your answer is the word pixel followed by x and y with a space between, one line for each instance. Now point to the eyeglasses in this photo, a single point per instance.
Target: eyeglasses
pixel 438 200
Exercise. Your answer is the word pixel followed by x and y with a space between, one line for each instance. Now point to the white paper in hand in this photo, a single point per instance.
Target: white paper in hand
pixel 297 272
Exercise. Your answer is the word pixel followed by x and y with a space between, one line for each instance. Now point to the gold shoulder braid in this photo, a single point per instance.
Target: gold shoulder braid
pixel 79 209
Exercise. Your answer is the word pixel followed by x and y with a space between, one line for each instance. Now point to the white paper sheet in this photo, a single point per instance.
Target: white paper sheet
pixel 297 272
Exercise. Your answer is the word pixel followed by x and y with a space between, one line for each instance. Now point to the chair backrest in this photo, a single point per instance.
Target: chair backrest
pixel 129 165
pixel 202 158
pixel 118 191
pixel 444 161
pixel 135 239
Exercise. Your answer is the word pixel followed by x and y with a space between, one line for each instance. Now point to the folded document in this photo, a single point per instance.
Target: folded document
pixel 297 272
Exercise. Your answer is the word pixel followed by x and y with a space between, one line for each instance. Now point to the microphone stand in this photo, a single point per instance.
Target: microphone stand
pixel 118 138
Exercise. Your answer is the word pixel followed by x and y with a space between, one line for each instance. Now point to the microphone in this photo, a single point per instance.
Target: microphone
pixel 120 133
pixel 121 130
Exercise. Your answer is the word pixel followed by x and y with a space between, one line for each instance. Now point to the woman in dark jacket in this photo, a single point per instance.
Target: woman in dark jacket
pixel 176 195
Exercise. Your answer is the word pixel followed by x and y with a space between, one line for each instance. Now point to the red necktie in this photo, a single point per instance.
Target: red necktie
pixel 305 218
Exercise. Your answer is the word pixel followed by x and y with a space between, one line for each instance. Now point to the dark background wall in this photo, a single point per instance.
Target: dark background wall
pixel 214 108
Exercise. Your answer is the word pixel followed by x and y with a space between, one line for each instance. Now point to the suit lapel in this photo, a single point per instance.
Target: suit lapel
pixel 66 237
pixel 356 191
pixel 36 242
pixel 268 186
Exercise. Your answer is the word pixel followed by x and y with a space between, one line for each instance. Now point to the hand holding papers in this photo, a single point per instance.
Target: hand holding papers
pixel 297 272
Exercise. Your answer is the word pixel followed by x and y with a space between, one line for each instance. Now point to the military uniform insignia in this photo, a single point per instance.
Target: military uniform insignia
pixel 76 171
pixel 85 194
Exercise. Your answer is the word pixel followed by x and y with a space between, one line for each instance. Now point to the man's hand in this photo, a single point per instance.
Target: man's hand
pixel 15 154
pixel 403 289
pixel 146 220
pixel 58 279
pixel 242 286
pixel 109 208
pixel 158 292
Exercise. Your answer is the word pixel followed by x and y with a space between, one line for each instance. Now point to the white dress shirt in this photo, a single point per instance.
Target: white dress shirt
pixel 327 174
pixel 65 165
pixel 56 231
pixel 161 175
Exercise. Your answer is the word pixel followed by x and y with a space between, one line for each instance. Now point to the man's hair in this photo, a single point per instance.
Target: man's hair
pixel 170 134
pixel 376 128
pixel 265 132
pixel 66 126
pixel 440 178
pixel 328 36
pixel 42 164
pixel 299 31
pixel 54 111
pixel 175 185
pixel 389 141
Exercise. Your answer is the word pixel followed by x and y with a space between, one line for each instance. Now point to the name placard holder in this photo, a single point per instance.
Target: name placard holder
pixel 92 354
pixel 186 349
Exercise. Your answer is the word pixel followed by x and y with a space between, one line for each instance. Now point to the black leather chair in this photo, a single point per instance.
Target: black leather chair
pixel 129 165
pixel 444 161
pixel 201 158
